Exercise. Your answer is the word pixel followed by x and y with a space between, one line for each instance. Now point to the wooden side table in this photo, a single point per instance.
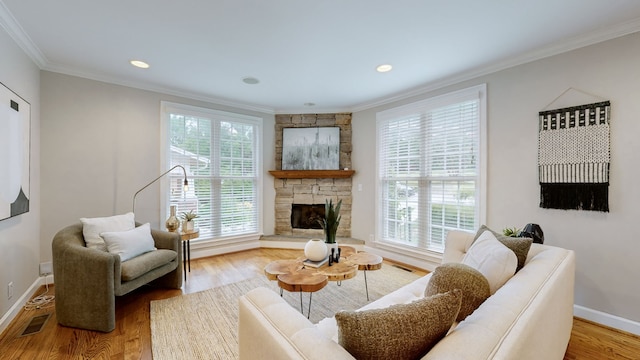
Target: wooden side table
pixel 366 261
pixel 293 276
pixel 186 237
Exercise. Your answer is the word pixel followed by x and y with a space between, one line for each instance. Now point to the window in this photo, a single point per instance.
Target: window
pixel 431 169
pixel 220 152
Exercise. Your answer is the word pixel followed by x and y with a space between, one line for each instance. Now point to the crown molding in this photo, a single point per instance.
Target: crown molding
pixel 557 48
pixel 159 89
pixel 17 33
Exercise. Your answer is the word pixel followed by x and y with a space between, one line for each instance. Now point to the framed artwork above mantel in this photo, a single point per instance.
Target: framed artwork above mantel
pixel 311 148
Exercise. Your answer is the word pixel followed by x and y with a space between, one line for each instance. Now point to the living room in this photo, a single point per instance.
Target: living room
pixel 94 143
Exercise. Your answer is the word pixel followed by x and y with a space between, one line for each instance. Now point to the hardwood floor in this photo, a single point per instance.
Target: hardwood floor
pixel 132 337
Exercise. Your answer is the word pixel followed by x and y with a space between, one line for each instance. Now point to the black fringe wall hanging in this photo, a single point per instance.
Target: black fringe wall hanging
pixel 574 156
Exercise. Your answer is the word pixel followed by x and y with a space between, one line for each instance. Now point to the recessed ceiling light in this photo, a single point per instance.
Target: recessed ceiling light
pixel 250 80
pixel 384 68
pixel 139 63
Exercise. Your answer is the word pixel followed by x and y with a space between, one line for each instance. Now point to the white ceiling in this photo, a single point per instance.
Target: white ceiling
pixel 302 51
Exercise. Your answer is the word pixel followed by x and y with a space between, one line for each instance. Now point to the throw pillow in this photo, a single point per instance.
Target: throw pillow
pixel 403 331
pixel 520 246
pixel 92 227
pixel 493 259
pixel 131 243
pixel 474 286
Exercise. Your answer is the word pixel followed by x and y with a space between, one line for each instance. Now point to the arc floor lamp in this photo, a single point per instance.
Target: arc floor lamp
pixel 186 183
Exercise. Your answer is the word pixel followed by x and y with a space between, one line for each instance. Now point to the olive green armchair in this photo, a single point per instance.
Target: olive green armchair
pixel 88 280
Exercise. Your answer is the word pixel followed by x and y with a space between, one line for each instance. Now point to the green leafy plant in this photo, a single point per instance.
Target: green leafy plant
pixel 189 216
pixel 511 232
pixel 331 220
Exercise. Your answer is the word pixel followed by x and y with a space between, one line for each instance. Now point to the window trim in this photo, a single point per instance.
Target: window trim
pixel 165 108
pixel 478 92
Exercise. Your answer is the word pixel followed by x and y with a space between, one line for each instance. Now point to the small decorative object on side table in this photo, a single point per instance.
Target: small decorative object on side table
pixel 172 222
pixel 187 221
pixel 186 237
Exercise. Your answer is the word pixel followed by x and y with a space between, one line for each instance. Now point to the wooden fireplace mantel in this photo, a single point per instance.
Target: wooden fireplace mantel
pixel 311 174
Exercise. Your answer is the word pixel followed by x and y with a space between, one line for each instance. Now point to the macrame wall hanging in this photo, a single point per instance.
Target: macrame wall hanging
pixel 574 156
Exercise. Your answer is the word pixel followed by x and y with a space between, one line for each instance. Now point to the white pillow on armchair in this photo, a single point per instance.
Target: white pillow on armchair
pixel 92 227
pixel 131 243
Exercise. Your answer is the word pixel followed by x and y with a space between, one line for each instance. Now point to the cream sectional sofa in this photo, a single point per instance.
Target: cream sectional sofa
pixel 529 317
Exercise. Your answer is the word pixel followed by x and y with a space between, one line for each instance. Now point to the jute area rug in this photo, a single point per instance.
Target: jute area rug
pixel 204 325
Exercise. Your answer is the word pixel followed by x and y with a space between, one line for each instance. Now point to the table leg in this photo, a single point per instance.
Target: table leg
pixel 301 309
pixel 189 253
pixel 366 286
pixel 184 259
pixel 301 306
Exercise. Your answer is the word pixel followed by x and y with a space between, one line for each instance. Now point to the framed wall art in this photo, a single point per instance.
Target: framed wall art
pixel 312 148
pixel 15 142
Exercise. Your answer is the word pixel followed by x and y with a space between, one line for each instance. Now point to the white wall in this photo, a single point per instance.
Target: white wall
pixel 19 236
pixel 606 244
pixel 100 144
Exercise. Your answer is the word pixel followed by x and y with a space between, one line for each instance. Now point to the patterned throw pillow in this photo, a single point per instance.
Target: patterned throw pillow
pixel 403 331
pixel 474 286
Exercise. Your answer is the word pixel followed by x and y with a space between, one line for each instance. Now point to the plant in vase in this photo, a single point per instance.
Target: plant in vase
pixel 330 224
pixel 511 232
pixel 187 220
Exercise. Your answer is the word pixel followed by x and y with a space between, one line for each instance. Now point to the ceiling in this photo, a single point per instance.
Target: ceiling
pixel 323 52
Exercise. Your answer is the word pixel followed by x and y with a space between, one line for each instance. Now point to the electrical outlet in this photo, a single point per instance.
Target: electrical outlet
pixel 9 290
pixel 371 238
pixel 46 268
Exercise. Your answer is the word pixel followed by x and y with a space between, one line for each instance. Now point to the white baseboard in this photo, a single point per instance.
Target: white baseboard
pixel 199 251
pixel 605 319
pixel 8 317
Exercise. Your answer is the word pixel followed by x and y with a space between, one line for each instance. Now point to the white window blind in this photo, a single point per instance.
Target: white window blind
pixel 430 169
pixel 220 152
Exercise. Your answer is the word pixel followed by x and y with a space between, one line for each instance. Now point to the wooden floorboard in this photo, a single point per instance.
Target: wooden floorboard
pixel 131 339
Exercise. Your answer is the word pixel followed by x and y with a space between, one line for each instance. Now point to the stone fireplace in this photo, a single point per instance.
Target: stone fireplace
pixel 300 193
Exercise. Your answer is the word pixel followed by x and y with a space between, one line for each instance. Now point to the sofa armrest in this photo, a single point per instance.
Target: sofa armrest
pixel 456 246
pixel 269 328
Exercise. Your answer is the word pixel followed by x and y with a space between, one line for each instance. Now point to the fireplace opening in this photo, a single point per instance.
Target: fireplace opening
pixel 306 216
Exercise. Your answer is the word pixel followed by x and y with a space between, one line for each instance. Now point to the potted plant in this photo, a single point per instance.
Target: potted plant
pixel 187 220
pixel 330 222
pixel 511 232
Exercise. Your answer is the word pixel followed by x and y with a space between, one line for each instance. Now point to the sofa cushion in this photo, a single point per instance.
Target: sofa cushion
pixel 390 333
pixel 92 227
pixel 131 243
pixel 474 286
pixel 140 265
pixel 493 259
pixel 520 246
